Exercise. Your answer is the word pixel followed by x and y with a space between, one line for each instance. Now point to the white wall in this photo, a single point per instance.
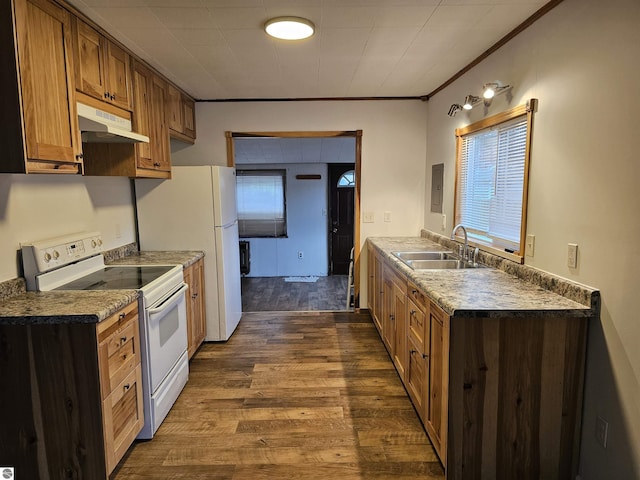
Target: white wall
pixel 393 150
pixel 306 228
pixel 582 61
pixel 35 207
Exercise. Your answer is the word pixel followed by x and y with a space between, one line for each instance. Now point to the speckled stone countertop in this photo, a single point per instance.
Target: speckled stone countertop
pixel 33 308
pixel 184 258
pixel 485 292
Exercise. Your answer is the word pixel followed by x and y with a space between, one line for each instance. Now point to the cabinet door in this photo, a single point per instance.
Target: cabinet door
pixel 400 352
pixel 436 408
pixel 189 114
pixel 388 315
pixel 118 76
pixel 378 305
pixel 415 379
pixel 159 139
pixel 196 320
pixel 89 60
pixel 175 111
pixel 44 41
pixel 141 113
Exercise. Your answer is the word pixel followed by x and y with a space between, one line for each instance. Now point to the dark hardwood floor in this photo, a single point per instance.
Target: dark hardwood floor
pixel 274 294
pixel 290 396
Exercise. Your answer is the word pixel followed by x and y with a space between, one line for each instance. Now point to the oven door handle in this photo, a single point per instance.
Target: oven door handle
pixel 169 302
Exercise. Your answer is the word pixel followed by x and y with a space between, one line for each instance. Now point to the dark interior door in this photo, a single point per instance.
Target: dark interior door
pixel 341 227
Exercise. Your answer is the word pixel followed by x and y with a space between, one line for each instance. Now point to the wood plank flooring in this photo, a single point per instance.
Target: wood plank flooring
pixel 273 294
pixel 290 396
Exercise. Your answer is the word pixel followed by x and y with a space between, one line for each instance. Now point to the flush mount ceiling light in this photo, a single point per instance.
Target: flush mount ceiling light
pixel 289 28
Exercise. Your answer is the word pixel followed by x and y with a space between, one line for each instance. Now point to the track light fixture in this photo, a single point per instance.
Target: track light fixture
pixel 454 109
pixel 470 101
pixel 489 90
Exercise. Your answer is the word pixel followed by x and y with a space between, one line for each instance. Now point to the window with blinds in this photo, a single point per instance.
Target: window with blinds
pixel 491 183
pixel 261 203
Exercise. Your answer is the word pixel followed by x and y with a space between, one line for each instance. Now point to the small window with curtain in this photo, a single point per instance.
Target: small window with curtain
pixel 492 178
pixel 261 203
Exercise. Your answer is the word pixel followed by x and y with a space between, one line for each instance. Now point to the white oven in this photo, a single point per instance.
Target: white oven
pixel 164 337
pixel 75 262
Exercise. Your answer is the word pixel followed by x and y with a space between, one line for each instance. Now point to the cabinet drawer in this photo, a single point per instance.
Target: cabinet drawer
pixel 123 417
pixel 414 293
pixel 417 322
pixel 118 349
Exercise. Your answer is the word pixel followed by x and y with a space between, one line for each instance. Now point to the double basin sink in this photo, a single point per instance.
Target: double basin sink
pixel 426 260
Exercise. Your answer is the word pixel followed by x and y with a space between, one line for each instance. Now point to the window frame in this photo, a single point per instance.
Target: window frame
pixel 527 110
pixel 266 172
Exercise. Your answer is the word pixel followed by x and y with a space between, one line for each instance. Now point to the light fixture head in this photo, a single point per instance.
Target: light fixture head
pixel 470 101
pixel 289 28
pixel 453 109
pixel 489 90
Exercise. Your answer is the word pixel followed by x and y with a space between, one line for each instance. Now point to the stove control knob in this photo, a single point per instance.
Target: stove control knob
pixel 93 244
pixel 47 257
pixel 99 242
pixel 56 255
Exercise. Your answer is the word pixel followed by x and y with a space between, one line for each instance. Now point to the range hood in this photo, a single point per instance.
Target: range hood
pixel 98 126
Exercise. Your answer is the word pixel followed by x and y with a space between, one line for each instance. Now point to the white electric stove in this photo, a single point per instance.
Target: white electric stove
pixel 75 262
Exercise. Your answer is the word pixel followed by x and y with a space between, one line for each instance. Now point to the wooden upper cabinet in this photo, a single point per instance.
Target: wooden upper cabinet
pixel 102 69
pixel 181 112
pixel 40 125
pixel 150 97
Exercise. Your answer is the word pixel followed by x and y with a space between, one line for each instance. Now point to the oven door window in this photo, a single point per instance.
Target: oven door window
pixel 167 339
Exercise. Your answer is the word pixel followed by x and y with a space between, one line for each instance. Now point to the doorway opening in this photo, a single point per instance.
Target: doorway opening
pixel 314 257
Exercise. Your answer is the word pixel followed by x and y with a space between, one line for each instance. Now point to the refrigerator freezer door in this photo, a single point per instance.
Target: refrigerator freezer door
pixel 229 293
pixel 224 195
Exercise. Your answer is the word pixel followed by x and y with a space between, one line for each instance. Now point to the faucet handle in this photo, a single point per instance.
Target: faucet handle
pixel 461 252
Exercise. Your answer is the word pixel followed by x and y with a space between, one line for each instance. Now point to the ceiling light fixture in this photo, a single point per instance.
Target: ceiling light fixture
pixel 470 101
pixel 489 90
pixel 289 28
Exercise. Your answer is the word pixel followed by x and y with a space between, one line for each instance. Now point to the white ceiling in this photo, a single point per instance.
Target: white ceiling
pixel 216 49
pixel 294 150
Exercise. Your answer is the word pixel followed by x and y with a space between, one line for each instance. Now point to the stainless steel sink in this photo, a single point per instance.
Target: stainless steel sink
pixel 434 260
pixel 450 264
pixel 412 256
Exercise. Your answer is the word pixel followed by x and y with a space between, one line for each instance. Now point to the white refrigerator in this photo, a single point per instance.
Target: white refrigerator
pixel 196 210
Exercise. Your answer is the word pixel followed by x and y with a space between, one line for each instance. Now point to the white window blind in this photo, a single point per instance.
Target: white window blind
pixel 490 187
pixel 261 203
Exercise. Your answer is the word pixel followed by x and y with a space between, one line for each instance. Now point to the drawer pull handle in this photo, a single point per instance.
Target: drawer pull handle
pixel 195 295
pixel 122 315
pixel 412 351
pixel 425 356
pixel 412 312
pixel 123 340
pixel 124 357
pixel 126 387
pixel 414 292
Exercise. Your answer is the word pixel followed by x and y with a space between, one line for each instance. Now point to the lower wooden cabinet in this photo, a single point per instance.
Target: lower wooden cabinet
pixel 75 402
pixel 121 382
pixel 196 317
pixel 499 395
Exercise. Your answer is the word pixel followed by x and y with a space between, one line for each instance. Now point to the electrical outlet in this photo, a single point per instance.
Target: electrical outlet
pixel 572 255
pixel 602 430
pixel 368 217
pixel 387 216
pixel 300 255
pixel 530 245
pixel 444 222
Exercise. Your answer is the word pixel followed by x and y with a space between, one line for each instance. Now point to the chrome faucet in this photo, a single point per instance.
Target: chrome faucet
pixel 465 250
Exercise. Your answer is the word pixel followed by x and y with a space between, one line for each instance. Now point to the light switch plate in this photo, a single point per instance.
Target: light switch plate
pixel 368 217
pixel 572 255
pixel 387 216
pixel 530 245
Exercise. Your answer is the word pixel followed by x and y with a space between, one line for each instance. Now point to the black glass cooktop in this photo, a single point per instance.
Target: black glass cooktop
pixel 118 278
